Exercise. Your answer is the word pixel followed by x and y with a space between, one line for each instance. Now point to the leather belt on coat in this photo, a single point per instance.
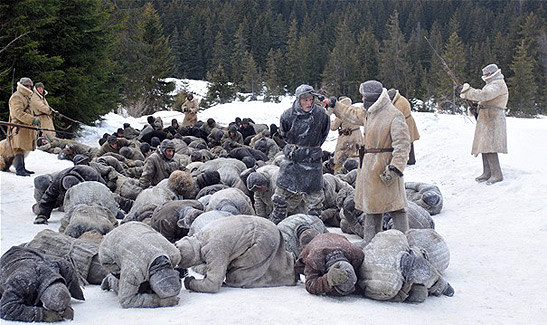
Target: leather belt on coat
pixel 346 131
pixel 363 151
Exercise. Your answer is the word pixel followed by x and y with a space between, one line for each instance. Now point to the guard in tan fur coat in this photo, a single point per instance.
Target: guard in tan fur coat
pixel 491 131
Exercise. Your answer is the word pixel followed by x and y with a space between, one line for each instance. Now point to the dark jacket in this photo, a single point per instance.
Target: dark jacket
pixel 241 152
pixel 24 275
pixel 81 172
pixel 301 171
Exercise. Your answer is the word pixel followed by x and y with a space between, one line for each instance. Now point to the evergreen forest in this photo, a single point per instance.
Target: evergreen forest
pixel 95 56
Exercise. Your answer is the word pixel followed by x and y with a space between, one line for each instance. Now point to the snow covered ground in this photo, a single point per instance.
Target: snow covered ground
pixel 497 235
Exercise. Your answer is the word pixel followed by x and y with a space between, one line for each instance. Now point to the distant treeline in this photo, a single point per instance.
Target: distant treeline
pixel 97 55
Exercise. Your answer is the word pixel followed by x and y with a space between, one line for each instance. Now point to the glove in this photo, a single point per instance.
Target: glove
pixel 51 316
pixel 187 281
pixel 168 302
pixel 389 175
pixel 465 88
pixel 68 313
pixel 336 276
pixel 36 121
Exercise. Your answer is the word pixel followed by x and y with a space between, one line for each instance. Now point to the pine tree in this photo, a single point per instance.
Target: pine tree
pixel 150 61
pixel 339 76
pixel 238 53
pixel 220 90
pixel 523 87
pixel 394 63
pixel 273 82
pixel 367 57
pixel 252 82
pixel 292 58
pixel 68 48
pixel 455 59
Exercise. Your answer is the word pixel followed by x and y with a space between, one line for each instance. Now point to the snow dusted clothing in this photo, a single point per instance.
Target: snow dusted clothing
pixel 433 244
pixel 301 170
pixel 40 107
pixel 80 172
pixel 165 218
pixel 129 251
pixel 349 140
pixel 289 226
pixel 230 200
pixel 335 191
pixel 229 170
pixel 25 274
pixel 491 129
pixel 190 109
pixel 92 193
pixel 263 199
pixel 82 218
pixel 149 199
pixel 385 129
pixel 157 167
pixel 403 105
pixel 203 220
pixel 418 218
pixel 78 149
pixel 428 196
pixel 247 251
pixel 392 267
pixel 312 261
pixel 21 139
pixel 82 253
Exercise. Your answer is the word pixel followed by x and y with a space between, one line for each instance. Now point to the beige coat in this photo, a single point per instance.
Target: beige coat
pixel 40 107
pixel 21 139
pixel 491 131
pixel 403 105
pixel 385 127
pixel 349 137
pixel 190 109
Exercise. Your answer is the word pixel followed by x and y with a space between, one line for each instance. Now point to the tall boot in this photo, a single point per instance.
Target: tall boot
pixel 19 162
pixel 494 163
pixel 486 169
pixel 279 211
pixel 411 156
pixel 400 220
pixel 371 226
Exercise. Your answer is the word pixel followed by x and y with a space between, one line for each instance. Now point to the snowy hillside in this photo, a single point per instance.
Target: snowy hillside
pixel 497 236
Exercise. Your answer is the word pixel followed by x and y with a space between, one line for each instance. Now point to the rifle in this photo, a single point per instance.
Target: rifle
pixel 24 126
pixel 56 113
pixel 472 106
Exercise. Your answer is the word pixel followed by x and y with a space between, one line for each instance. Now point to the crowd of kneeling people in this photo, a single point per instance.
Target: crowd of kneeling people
pixel 148 205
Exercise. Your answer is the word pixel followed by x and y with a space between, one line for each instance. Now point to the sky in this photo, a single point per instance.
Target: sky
pixel 497 234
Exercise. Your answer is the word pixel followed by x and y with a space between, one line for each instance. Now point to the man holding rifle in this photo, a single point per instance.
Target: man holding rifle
pixel 491 131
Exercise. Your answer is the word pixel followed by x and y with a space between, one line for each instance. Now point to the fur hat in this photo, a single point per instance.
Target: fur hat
pixel 255 180
pixel 305 91
pixel 210 122
pixel 112 139
pixel 350 164
pixel 126 152
pixel 26 81
pixel 155 142
pixel 249 161
pixel 489 69
pixel 69 181
pixel 208 177
pixel 39 84
pixel 190 251
pixel 80 160
pixel 56 297
pixel 305 234
pixel 181 181
pixel 40 141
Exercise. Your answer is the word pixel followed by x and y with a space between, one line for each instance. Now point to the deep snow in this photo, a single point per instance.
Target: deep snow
pixel 497 235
